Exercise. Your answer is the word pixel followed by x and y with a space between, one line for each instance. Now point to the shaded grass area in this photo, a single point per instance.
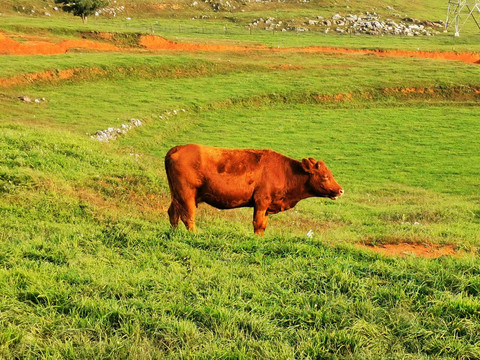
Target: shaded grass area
pixel 122 294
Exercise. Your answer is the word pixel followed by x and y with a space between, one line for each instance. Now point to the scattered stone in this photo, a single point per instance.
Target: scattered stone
pixel 26 99
pixel 366 23
pixel 110 11
pixel 113 133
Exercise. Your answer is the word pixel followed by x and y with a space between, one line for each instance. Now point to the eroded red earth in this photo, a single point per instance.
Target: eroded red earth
pixel 430 251
pixel 30 46
pixel 153 42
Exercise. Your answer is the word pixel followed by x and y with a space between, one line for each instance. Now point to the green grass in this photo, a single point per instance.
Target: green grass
pixel 113 64
pixel 89 267
pixel 397 165
pixel 119 294
pixel 160 84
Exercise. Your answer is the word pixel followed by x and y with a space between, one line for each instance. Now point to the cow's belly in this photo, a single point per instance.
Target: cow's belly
pixel 276 208
pixel 227 202
pixel 226 195
pixel 280 205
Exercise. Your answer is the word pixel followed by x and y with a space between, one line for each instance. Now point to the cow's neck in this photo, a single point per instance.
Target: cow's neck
pixel 297 185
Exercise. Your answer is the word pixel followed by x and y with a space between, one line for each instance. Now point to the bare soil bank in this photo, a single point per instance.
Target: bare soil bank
pixel 10 46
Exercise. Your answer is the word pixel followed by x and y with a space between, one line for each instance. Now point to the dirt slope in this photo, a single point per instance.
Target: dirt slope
pixel 10 46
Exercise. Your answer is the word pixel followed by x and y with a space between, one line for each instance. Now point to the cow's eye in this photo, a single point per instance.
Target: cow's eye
pixel 326 178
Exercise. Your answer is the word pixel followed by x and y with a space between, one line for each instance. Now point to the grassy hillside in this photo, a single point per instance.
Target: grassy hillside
pixel 181 21
pixel 89 267
pixel 181 8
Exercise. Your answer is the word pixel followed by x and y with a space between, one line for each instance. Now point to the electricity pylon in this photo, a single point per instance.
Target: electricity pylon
pixel 459 11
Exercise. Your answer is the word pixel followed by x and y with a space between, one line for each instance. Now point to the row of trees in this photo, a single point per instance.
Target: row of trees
pixel 82 8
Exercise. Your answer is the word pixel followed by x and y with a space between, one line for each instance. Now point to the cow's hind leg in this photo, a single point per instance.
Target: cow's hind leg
pixel 188 214
pixel 173 214
pixel 183 204
pixel 183 207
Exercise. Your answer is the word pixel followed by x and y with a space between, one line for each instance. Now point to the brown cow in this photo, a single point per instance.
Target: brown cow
pixel 230 178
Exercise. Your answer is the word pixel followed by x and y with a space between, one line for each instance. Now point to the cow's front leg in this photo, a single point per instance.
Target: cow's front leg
pixel 259 219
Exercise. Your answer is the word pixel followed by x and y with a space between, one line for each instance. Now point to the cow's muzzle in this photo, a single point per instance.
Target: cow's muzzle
pixel 335 195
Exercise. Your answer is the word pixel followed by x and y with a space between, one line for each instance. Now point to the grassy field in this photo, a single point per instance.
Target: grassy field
pixel 89 267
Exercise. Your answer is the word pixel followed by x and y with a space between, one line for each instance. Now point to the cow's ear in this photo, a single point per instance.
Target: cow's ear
pixel 319 165
pixel 308 164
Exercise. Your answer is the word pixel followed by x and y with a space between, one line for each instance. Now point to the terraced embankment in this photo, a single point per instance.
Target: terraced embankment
pixel 153 42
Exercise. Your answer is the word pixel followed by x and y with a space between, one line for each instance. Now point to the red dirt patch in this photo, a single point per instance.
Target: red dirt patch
pixel 9 46
pixel 430 251
pixel 468 57
pixel 333 98
pixel 48 75
pixel 87 44
pixel 153 42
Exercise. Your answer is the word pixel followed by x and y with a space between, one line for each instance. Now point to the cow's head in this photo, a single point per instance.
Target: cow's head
pixel 321 181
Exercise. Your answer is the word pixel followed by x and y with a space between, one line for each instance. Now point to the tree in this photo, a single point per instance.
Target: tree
pixel 82 8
